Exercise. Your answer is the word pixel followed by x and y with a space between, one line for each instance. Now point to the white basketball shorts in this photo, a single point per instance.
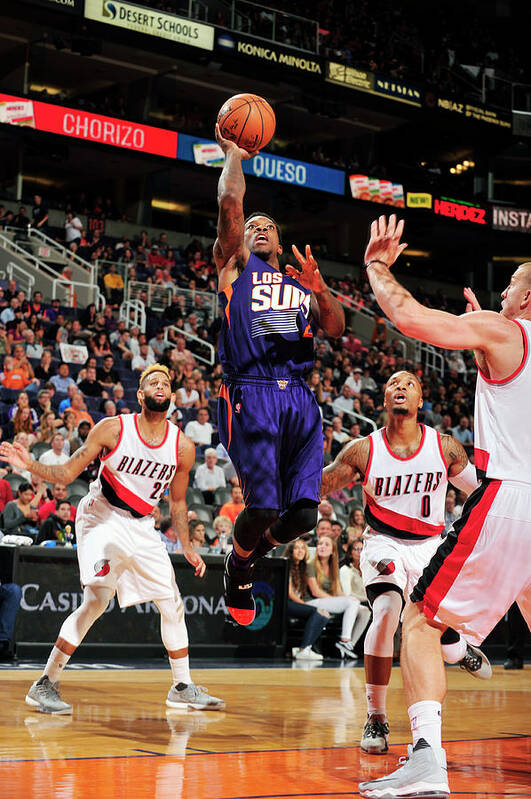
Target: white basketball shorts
pixel 484 564
pixel 122 553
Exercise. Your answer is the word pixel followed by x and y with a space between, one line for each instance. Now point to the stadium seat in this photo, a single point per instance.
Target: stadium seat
pixel 14 480
pixel 338 506
pixel 203 512
pixel 78 487
pixel 222 495
pixel 194 496
pixel 38 448
pixel 75 499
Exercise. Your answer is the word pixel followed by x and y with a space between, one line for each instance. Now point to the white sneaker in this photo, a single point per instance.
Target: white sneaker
pixel 422 775
pixel 308 654
pixel 347 649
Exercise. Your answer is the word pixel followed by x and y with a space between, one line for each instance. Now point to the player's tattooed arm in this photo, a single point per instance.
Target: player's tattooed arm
pixel 178 507
pixel 104 436
pixel 461 472
pixel 350 464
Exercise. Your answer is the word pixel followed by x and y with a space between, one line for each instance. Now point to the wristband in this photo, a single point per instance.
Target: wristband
pixel 376 261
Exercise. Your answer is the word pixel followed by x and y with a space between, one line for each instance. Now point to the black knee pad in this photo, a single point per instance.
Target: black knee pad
pixel 250 525
pixel 298 519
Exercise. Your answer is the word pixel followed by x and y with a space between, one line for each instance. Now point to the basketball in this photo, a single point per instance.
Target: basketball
pixel 248 120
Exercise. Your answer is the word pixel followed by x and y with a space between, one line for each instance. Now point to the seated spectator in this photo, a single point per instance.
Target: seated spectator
pixel 56 455
pixel 168 536
pixel 355 382
pixel 6 494
pixel 32 345
pixel 106 374
pixel 109 408
pixel 143 359
pixel 451 512
pixel 78 439
pixel 344 404
pixel 23 402
pixel 208 476
pixel 197 534
pixel 297 607
pixel 78 407
pixel 350 576
pixel 324 585
pixel 157 343
pixel 90 386
pixel 200 430
pixel 356 524
pixel 22 439
pixel 10 596
pixel 48 427
pixel 16 379
pixel 68 427
pixel 118 398
pixel 114 285
pixel 222 527
pixel 20 516
pixel 462 431
pixel 67 402
pixel 59 493
pixel 233 508
pixel 187 396
pixel 45 370
pixel 22 423
pixel 58 526
pixel 338 435
pixel 62 379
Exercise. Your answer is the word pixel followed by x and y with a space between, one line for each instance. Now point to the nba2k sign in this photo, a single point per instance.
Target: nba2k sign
pixel 461 212
pixel 151 22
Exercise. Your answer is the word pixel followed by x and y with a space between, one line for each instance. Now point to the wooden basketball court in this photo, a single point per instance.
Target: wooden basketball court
pixel 284 733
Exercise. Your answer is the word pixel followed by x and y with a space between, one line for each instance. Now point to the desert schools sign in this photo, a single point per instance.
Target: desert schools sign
pixel 270 53
pixel 516 220
pixel 151 22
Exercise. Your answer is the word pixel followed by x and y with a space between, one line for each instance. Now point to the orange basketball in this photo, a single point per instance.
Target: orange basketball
pixel 248 120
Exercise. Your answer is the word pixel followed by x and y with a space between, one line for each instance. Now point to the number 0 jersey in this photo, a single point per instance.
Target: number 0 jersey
pixel 405 497
pixel 134 476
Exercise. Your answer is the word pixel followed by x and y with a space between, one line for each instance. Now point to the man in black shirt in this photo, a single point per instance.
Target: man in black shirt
pixel 90 386
pixel 40 214
pixel 107 374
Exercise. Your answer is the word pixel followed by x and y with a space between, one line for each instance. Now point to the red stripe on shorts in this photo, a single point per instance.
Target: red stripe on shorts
pixel 456 559
pixel 401 522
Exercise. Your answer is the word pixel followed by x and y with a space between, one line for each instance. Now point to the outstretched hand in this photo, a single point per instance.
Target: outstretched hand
pixel 308 275
pixel 472 303
pixel 195 560
pixel 230 146
pixel 384 244
pixel 15 454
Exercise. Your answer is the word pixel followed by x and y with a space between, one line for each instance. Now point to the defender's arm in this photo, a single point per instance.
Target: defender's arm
pixel 178 507
pixel 353 460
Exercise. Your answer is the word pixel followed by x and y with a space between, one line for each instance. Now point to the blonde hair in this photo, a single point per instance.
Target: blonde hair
pixel 155 367
pixel 333 566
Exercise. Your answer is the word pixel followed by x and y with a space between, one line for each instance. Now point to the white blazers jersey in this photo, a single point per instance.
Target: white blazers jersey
pixel 134 476
pixel 405 497
pixel 502 446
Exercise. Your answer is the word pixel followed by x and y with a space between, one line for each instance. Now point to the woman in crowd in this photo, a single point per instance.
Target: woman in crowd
pixel 23 423
pixel 315 618
pixel 99 345
pixel 20 516
pixel 23 402
pixel 45 369
pixel 314 384
pixel 352 581
pixel 48 427
pixel 356 524
pixel 325 588
pixel 197 533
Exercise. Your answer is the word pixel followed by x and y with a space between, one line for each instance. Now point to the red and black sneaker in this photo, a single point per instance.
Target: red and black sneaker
pixel 238 592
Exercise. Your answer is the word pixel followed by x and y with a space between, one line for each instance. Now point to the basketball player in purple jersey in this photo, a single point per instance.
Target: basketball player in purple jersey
pixel 269 421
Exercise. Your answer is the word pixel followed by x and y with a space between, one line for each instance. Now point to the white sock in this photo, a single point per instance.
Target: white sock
pixel 376 695
pixel 453 653
pixel 425 718
pixel 180 670
pixel 55 664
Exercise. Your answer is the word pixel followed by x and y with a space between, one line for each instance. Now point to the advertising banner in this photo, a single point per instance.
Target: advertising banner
pixel 68 6
pixel 460 210
pixel 419 199
pixel 90 127
pixel 374 190
pixel 151 22
pixel 477 113
pixel 368 82
pixel 265 165
pixel 517 220
pixel 269 53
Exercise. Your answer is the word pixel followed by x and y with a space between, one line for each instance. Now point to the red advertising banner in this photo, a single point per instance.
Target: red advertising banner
pixel 89 127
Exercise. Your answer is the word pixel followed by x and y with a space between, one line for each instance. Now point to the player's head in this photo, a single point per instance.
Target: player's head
pixel 262 235
pixel 403 394
pixel 154 388
pixel 516 298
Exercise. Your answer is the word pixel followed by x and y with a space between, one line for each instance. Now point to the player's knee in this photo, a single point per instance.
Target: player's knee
pixel 96 600
pixel 250 525
pixel 262 517
pixel 298 519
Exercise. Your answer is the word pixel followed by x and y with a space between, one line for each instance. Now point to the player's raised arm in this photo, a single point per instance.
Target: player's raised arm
pixel 350 464
pixel 105 435
pixel 178 507
pixel 484 331
pixel 327 311
pixel 229 245
pixel 461 473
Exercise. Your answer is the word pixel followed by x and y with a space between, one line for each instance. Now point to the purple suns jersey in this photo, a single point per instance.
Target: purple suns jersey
pixel 266 329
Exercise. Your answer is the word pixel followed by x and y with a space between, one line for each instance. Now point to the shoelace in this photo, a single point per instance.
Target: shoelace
pixel 472 662
pixel 377 728
pixel 45 688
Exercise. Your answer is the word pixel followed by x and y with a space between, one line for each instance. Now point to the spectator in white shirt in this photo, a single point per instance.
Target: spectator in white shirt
pixel 157 343
pixel 200 430
pixel 143 359
pixel 56 455
pixel 187 396
pixel 73 228
pixel 208 476
pixel 355 381
pixel 367 382
pixel 344 403
pixel 338 434
pixel 33 348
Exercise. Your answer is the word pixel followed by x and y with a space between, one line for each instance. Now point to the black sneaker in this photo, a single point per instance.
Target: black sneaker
pixel 476 663
pixel 375 737
pixel 238 592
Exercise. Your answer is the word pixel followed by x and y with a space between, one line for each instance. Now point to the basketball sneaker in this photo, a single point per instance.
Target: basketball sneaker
pixel 238 592
pixel 375 738
pixel 421 775
pixel 183 696
pixel 307 653
pixel 44 695
pixel 347 649
pixel 476 663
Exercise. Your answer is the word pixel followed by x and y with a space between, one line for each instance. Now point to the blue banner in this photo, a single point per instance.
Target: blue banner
pixel 266 165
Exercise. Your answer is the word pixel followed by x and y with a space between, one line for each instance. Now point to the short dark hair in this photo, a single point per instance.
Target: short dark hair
pixel 60 502
pixel 267 216
pixel 24 487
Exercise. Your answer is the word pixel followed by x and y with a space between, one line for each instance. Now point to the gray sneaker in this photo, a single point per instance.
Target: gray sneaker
pixel 476 663
pixel 375 736
pixel 44 695
pixel 183 696
pixel 420 776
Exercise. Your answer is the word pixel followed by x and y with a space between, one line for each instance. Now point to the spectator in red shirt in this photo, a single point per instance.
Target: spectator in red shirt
pixel 6 495
pixel 59 493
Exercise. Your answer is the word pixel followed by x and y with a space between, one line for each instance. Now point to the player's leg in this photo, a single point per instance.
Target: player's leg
pixel 183 692
pixel 44 694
